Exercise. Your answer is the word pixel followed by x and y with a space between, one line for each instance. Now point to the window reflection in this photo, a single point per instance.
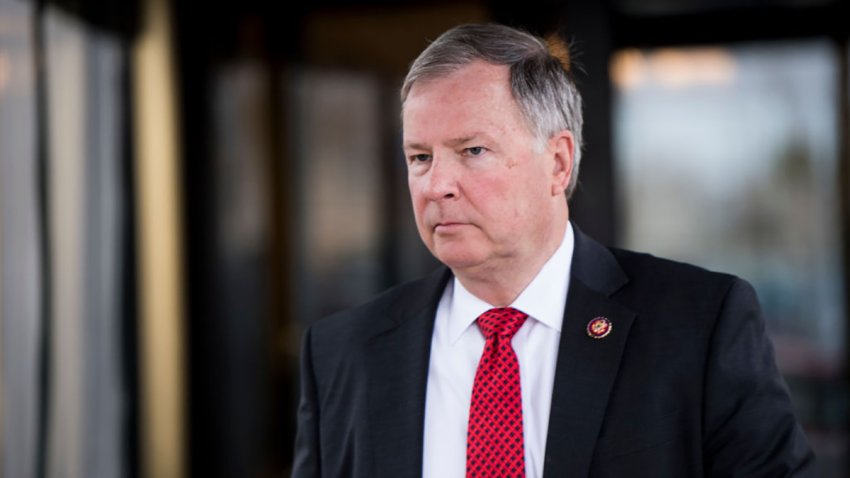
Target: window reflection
pixel 338 155
pixel 728 158
pixel 20 276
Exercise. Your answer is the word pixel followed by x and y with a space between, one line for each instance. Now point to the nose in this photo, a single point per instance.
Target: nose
pixel 442 179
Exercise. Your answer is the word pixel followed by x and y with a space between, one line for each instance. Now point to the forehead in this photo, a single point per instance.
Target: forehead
pixel 475 97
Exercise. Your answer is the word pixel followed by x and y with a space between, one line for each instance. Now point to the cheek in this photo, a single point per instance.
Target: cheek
pixel 417 201
pixel 415 194
pixel 525 197
pixel 495 199
pixel 412 189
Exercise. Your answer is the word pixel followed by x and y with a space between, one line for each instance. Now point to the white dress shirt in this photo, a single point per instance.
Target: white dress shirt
pixel 456 349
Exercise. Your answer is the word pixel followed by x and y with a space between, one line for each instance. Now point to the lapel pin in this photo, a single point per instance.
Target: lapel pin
pixel 599 328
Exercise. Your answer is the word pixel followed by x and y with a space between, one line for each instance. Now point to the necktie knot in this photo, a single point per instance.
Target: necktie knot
pixel 503 321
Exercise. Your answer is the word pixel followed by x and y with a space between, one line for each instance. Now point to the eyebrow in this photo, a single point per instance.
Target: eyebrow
pixel 452 142
pixel 418 146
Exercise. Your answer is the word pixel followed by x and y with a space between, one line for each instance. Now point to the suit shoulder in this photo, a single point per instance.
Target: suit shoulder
pixel 643 266
pixel 657 280
pixel 366 318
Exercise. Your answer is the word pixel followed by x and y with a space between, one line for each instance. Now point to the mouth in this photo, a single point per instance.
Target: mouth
pixel 448 226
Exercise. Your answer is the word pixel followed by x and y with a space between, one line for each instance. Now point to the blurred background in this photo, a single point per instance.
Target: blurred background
pixel 185 186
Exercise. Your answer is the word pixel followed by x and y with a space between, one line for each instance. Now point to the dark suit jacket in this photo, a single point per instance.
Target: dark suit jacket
pixel 685 385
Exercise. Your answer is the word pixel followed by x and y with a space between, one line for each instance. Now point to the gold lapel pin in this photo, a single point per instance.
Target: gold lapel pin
pixel 599 328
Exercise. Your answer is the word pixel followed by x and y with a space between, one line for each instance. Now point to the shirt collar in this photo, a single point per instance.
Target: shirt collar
pixel 543 299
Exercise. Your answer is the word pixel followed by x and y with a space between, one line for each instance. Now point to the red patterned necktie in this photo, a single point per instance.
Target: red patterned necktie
pixel 494 442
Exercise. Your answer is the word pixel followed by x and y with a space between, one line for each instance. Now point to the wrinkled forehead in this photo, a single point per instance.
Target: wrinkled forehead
pixel 477 97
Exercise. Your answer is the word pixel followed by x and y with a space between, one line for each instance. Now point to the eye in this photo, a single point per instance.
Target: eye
pixel 420 158
pixel 475 150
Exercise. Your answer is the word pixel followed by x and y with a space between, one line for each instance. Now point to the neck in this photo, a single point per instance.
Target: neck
pixel 500 285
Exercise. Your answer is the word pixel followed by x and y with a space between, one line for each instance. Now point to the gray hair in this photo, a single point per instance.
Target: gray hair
pixel 541 82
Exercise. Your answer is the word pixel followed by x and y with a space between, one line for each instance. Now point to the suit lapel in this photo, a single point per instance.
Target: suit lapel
pixel 586 367
pixel 398 371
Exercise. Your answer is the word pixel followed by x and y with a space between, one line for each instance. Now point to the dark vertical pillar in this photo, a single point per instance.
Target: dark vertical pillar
pixel 844 173
pixel 44 232
pixel 396 197
pixel 281 377
pixel 203 322
pixel 128 266
pixel 586 24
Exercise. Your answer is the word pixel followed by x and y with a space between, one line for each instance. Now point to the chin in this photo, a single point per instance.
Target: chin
pixel 457 257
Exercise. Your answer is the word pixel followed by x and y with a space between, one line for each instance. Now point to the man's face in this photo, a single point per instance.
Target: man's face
pixel 483 190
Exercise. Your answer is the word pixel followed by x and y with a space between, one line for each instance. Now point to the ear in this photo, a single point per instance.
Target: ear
pixel 561 147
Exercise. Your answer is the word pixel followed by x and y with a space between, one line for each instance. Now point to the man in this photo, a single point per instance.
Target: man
pixel 536 351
